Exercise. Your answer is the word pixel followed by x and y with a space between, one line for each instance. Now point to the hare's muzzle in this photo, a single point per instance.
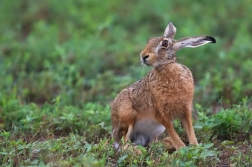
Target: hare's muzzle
pixel 144 59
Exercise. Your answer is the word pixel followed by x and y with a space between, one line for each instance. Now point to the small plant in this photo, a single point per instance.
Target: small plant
pixel 201 155
pixel 233 123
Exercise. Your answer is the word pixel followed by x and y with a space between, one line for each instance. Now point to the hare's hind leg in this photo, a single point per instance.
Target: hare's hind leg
pixel 187 124
pixel 119 133
pixel 127 136
pixel 127 123
pixel 129 132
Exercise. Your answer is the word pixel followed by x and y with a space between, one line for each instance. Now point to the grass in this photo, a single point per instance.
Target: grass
pixel 59 135
pixel 61 63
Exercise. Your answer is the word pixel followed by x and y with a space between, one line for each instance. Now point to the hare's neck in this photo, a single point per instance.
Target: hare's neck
pixel 166 71
pixel 166 63
pixel 164 68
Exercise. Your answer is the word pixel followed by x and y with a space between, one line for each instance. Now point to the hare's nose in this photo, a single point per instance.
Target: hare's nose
pixel 145 58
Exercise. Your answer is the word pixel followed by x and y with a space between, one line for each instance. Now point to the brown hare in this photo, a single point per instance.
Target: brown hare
pixel 141 112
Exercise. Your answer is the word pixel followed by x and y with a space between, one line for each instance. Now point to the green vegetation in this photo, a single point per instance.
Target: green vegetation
pixel 62 62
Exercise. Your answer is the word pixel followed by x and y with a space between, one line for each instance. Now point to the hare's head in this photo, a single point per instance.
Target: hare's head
pixel 161 50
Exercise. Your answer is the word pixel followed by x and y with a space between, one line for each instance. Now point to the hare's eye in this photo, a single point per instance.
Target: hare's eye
pixel 165 43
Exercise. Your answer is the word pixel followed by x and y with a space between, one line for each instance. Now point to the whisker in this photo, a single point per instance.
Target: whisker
pixel 140 65
pixel 139 61
pixel 182 57
pixel 142 69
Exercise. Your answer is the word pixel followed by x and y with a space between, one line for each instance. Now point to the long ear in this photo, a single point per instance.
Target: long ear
pixel 193 42
pixel 170 31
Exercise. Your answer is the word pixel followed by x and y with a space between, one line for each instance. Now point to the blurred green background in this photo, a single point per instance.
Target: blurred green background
pixel 88 50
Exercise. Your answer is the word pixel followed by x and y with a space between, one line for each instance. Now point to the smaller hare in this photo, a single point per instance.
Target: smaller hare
pixel 141 112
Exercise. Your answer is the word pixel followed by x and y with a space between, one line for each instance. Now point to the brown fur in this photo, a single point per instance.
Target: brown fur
pixel 164 94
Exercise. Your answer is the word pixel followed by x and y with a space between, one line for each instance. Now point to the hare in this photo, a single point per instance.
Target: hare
pixel 141 112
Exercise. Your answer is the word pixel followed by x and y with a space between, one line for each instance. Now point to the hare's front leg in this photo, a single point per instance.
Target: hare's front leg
pixel 187 124
pixel 167 143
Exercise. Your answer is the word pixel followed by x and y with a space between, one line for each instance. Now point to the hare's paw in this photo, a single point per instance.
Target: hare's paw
pixel 168 144
pixel 132 148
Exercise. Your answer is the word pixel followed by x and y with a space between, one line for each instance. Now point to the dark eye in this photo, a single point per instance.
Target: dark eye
pixel 165 43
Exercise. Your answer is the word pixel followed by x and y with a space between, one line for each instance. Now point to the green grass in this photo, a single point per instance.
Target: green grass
pixel 61 135
pixel 62 62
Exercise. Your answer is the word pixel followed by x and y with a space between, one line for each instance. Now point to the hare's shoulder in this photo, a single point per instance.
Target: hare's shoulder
pixel 180 72
pixel 132 91
pixel 186 74
pixel 140 85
